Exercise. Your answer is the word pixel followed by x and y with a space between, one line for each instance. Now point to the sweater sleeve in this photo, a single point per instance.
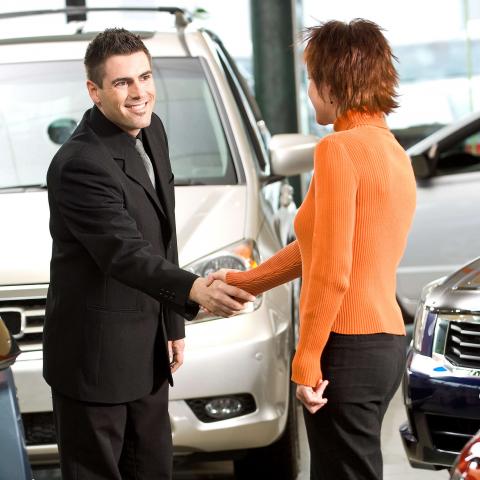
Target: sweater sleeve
pixel 282 267
pixel 335 186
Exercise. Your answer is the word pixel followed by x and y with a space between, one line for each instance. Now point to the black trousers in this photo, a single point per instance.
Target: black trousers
pixel 127 441
pixel 364 371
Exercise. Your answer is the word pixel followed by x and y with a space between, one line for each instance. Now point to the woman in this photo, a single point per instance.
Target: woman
pixel 351 233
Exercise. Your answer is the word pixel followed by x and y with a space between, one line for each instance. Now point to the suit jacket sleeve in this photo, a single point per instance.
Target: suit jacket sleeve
pixel 91 203
pixel 174 324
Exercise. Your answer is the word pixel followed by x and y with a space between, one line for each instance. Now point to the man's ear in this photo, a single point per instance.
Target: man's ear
pixel 93 89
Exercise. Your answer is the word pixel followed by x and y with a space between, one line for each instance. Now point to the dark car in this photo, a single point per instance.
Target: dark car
pixel 14 463
pixel 446 225
pixel 442 379
pixel 467 465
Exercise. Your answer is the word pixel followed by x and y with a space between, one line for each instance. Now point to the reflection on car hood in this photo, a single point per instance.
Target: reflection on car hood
pixel 458 292
pixel 208 218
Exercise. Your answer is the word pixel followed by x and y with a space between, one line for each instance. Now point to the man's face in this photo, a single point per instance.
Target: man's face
pixel 127 95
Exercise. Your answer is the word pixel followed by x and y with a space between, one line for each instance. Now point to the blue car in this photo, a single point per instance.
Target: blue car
pixel 442 380
pixel 13 455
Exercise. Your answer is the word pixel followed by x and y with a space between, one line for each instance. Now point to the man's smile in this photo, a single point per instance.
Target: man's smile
pixel 137 107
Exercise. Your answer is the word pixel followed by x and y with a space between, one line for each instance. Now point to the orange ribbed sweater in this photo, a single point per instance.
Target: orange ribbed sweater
pixel 351 234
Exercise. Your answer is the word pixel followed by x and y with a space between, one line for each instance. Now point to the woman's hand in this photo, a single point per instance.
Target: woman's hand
pixel 219 275
pixel 312 397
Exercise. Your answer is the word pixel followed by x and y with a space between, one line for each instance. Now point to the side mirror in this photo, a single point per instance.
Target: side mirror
pixel 424 164
pixel 9 350
pixel 421 166
pixel 292 153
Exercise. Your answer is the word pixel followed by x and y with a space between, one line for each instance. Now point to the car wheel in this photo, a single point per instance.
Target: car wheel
pixel 281 459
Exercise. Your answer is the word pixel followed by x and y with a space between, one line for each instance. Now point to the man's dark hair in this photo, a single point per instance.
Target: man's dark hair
pixel 113 41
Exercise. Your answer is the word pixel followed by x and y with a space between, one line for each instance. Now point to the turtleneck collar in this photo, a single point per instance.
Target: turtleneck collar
pixel 354 118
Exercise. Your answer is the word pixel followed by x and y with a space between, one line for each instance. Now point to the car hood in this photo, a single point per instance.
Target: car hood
pixel 427 143
pixel 208 218
pixel 460 292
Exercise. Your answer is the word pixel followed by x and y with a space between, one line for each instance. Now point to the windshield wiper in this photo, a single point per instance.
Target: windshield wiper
pixel 31 186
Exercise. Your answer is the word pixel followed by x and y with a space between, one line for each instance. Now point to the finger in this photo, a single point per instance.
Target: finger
pixel 237 293
pixel 222 311
pixel 177 362
pixel 316 408
pixel 227 303
pixel 320 389
pixel 210 279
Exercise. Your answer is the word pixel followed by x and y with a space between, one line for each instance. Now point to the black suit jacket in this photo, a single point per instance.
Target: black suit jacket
pixel 116 291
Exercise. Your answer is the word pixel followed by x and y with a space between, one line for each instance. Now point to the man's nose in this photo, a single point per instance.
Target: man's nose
pixel 136 89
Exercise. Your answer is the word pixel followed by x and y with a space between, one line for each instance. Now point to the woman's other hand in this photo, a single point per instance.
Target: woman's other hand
pixel 312 397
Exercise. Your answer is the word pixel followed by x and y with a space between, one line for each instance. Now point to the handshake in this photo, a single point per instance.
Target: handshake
pixel 217 297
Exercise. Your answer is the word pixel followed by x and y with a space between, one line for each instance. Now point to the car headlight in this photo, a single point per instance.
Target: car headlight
pixel 242 255
pixel 419 326
pixel 422 320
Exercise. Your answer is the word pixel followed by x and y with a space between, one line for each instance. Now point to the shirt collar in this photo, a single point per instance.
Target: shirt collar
pixel 354 118
pixel 112 135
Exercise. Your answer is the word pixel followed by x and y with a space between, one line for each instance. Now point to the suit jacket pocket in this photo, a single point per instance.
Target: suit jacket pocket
pixel 115 296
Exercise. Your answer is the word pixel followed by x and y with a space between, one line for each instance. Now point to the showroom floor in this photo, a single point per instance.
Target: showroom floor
pixel 396 465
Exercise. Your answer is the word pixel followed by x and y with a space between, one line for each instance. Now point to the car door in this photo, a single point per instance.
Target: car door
pixel 446 229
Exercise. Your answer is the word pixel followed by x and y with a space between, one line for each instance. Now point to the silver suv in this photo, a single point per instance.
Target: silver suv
pixel 229 183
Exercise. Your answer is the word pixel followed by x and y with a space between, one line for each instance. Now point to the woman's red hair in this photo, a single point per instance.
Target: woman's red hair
pixel 356 62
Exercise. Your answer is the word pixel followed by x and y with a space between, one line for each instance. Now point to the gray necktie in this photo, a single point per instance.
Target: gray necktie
pixel 146 160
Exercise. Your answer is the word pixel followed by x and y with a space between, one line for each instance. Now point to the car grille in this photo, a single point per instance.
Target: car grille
pixel 450 434
pixel 39 428
pixel 462 347
pixel 24 318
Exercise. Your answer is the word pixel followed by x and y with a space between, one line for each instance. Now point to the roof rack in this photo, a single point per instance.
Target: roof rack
pixel 182 16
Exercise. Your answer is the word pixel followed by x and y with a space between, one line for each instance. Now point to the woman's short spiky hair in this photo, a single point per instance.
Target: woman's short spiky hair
pixel 112 41
pixel 356 62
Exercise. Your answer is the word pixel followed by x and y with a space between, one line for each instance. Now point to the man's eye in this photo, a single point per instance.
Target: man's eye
pixel 120 84
pixel 147 77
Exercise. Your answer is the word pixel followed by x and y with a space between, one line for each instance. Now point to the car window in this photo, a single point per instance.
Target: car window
pixel 258 134
pixel 44 101
pixel 199 150
pixel 463 157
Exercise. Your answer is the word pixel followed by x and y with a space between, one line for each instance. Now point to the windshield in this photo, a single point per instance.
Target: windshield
pixel 43 102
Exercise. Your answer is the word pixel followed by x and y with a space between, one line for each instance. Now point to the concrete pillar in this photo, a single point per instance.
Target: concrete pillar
pixel 273 26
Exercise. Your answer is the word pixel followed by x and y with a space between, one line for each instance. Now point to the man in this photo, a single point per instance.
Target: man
pixel 116 291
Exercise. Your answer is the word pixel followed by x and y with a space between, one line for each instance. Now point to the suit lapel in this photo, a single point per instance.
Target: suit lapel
pixel 121 147
pixel 135 169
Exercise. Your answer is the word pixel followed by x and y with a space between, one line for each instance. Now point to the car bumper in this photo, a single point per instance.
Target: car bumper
pixel 239 355
pixel 442 411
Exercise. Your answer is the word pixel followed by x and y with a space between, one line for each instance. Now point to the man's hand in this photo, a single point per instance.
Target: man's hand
pixel 219 298
pixel 312 397
pixel 175 353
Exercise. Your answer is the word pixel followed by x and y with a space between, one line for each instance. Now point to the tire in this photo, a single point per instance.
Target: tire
pixel 281 459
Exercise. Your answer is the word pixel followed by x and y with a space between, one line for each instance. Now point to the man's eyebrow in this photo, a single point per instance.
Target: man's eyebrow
pixel 126 79
pixel 121 79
